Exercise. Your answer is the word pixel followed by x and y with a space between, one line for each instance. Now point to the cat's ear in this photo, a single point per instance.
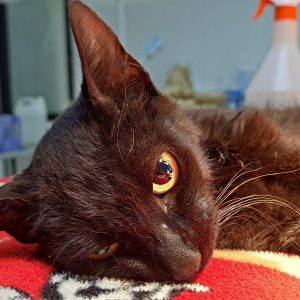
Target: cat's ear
pixel 15 213
pixel 110 73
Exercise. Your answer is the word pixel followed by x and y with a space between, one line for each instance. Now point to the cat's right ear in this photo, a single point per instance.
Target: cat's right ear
pixel 16 213
pixel 110 74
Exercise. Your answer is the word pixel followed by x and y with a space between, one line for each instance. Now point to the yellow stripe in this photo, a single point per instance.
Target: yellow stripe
pixel 277 261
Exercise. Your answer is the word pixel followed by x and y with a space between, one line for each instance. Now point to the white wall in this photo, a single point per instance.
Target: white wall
pixel 38 51
pixel 214 37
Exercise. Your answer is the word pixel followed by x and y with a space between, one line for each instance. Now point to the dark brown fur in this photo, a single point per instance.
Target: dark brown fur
pixel 262 145
pixel 90 181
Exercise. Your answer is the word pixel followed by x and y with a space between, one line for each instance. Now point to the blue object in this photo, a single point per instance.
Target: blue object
pixel 153 46
pixel 10 133
pixel 235 99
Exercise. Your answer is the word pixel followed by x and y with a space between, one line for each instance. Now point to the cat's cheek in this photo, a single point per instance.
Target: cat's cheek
pixel 208 239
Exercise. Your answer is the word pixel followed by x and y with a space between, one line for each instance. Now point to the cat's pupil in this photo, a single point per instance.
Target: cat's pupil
pixel 163 173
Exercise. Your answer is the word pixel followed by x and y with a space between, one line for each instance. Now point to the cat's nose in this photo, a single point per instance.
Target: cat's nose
pixel 181 259
pixel 188 268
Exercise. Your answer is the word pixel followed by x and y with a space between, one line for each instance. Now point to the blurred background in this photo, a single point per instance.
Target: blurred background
pixel 203 53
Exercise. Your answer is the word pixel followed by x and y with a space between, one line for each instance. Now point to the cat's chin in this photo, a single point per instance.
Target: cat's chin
pixel 159 276
pixel 147 273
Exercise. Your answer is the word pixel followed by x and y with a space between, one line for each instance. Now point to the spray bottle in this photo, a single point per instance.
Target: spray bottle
pixel 277 82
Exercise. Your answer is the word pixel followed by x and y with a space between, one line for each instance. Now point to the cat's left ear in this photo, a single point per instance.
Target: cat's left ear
pixel 15 213
pixel 110 73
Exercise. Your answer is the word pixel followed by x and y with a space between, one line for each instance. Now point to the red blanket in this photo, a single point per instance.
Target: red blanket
pixel 230 275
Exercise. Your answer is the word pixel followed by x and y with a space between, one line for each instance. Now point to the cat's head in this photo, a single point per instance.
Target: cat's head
pixel 120 185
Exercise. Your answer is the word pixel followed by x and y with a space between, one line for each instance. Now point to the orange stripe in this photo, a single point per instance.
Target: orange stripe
pixel 286 13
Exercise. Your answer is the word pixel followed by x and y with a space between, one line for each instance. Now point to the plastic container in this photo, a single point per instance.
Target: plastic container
pixel 276 83
pixel 235 99
pixel 10 133
pixel 33 115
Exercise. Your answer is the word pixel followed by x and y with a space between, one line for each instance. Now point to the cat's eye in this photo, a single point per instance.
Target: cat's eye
pixel 166 174
pixel 105 252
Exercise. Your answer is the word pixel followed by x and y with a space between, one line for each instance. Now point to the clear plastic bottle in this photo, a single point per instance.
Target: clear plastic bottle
pixel 33 115
pixel 277 82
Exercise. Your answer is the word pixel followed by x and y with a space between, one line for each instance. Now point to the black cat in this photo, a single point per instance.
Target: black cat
pixel 125 184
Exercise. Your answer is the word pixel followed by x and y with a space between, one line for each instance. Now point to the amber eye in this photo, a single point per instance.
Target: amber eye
pixel 166 174
pixel 105 252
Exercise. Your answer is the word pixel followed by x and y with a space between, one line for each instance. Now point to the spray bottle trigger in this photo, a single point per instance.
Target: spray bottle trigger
pixel 261 9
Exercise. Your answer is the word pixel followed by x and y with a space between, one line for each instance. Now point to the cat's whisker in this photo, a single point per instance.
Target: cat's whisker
pixel 120 117
pixel 265 199
pixel 227 186
pixel 60 251
pixel 133 141
pixel 242 226
pixel 232 210
pixel 260 235
pixel 292 241
pixel 254 178
pixel 154 257
pixel 261 213
pixel 239 201
pixel 237 207
pixel 242 217
pixel 119 268
pixel 234 179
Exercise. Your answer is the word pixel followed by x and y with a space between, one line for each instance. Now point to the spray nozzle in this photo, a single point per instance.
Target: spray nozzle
pixel 285 9
pixel 261 8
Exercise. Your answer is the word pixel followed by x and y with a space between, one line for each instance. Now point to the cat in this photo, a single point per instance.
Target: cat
pixel 127 185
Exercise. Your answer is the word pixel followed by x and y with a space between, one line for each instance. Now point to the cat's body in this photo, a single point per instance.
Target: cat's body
pixel 262 149
pixel 92 195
